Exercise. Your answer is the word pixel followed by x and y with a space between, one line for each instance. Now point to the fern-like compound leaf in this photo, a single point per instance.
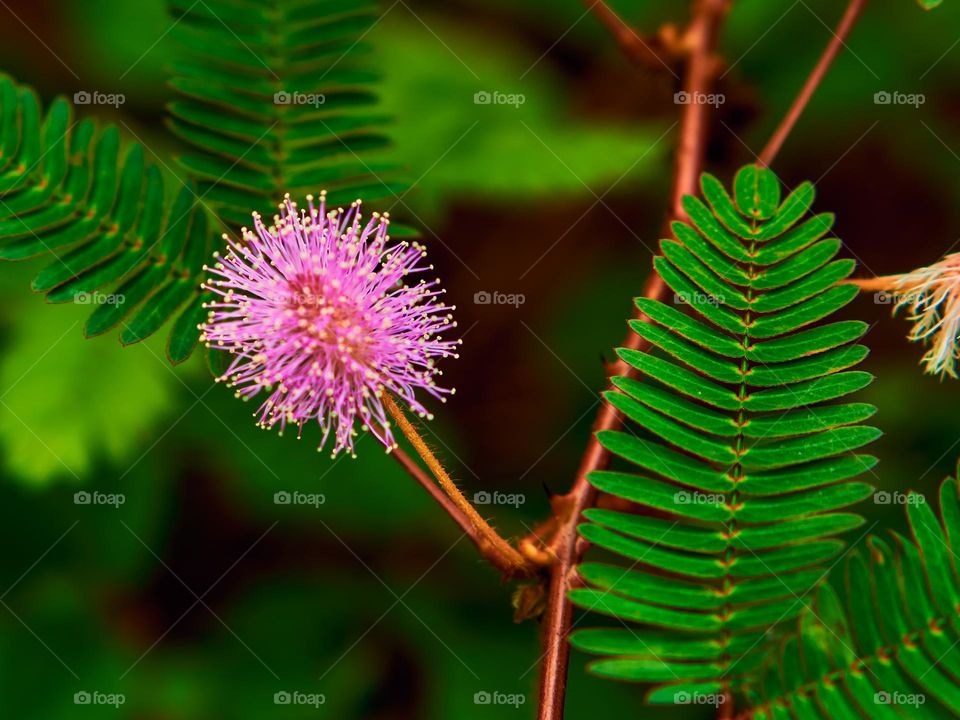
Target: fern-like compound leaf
pixel 891 647
pixel 742 452
pixel 75 192
pixel 277 98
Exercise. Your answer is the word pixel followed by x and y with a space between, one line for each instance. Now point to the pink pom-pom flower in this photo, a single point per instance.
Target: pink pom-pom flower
pixel 318 311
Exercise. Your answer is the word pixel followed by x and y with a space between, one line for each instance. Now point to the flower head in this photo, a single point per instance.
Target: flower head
pixel 317 311
pixel 931 296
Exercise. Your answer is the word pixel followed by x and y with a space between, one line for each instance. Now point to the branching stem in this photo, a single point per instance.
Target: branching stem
pixel 700 39
pixel 637 49
pixel 701 67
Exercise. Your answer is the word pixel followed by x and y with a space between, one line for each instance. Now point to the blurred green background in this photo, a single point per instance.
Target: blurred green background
pixel 199 597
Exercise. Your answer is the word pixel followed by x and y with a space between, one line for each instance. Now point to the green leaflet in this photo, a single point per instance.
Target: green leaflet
pixel 759 537
pixel 807 368
pixel 690 328
pixel 633 583
pixel 746 463
pixel 673 405
pixel 610 604
pixel 797 239
pixel 806 342
pixel 808 502
pixel 76 192
pixel 891 640
pixel 688 565
pixel 806 420
pixel 663 461
pixel 659 495
pixel 824 388
pixel 651 670
pixel 681 379
pixel 672 432
pixel 622 642
pixel 794 451
pixel 700 360
pixel 757 192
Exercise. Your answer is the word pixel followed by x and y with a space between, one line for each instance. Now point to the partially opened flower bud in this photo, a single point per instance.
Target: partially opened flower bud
pixel 318 312
pixel 931 298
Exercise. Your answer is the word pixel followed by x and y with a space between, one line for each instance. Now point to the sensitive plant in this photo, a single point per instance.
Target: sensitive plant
pixel 738 453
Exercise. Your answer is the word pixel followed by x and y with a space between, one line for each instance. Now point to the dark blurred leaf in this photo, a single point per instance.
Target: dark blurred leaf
pixel 497 125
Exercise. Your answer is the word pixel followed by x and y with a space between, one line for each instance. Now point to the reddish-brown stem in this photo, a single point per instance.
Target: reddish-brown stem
pixel 638 50
pixel 417 473
pixel 498 551
pixel 726 710
pixel 701 38
pixel 813 81
pixel 875 284
pixel 490 554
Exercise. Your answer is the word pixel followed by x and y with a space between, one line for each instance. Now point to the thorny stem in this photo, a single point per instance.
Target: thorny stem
pixel 498 551
pixel 701 39
pixel 838 40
